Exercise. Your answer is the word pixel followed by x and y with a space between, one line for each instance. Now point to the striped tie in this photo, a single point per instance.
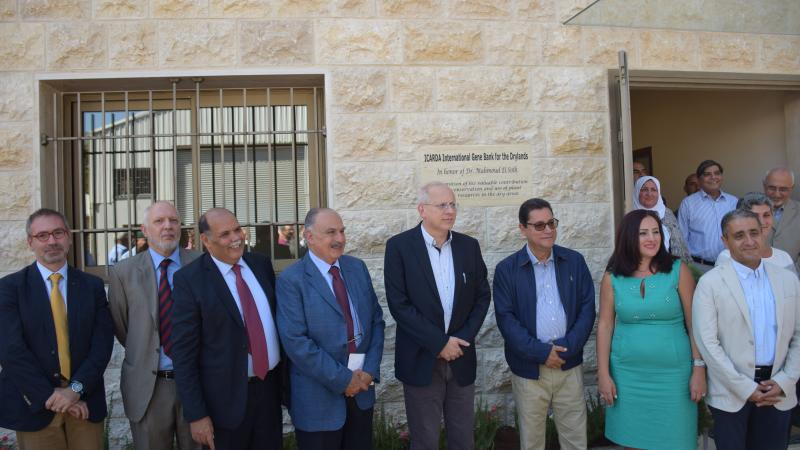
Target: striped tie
pixel 165 308
pixel 62 329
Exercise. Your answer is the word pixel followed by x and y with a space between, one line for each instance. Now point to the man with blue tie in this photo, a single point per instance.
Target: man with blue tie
pixel 225 345
pixel 544 303
pixel 140 297
pixel 55 342
pixel 331 327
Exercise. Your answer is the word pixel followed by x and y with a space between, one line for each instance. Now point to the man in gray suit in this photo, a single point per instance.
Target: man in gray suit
pixel 778 185
pixel 140 296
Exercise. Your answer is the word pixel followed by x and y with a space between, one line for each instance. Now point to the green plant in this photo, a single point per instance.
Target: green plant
pixel 289 442
pixel 595 421
pixel 7 444
pixel 487 423
pixel 386 435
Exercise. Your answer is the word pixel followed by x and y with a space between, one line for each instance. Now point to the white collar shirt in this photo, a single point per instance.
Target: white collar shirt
pixel 443 272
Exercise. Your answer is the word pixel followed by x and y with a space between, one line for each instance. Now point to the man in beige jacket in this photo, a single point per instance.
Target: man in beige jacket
pixel 140 296
pixel 746 317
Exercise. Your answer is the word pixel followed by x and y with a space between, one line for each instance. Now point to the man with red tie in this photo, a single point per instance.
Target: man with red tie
pixel 224 341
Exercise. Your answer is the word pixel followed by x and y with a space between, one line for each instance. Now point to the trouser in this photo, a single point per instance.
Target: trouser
pixel 163 422
pixel 751 428
pixel 63 433
pixel 355 434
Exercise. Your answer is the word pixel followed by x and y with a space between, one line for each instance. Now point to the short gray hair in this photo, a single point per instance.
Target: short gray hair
pixel 312 214
pixel 146 213
pixel 424 191
pixel 737 214
pixel 44 212
pixel 752 199
pixel 778 169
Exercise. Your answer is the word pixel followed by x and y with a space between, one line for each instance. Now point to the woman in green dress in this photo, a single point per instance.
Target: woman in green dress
pixel 650 374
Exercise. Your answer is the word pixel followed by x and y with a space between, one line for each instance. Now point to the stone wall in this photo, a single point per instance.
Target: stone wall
pixel 402 74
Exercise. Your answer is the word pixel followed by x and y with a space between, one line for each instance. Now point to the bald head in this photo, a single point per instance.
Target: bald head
pixel 778 185
pixel 222 235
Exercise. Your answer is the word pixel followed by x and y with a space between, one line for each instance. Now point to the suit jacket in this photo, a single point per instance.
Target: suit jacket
pixel 415 305
pixel 786 236
pixel 515 309
pixel 29 352
pixel 209 343
pixel 724 335
pixel 314 334
pixel 133 298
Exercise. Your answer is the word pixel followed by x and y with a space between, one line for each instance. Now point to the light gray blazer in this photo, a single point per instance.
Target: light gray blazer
pixel 786 236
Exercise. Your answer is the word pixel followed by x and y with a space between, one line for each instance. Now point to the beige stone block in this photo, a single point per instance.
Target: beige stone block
pixel 16 97
pixel 358 42
pixel 538 10
pixel 412 89
pixel 15 146
pixel 512 43
pixel 354 8
pixel 602 45
pixel 576 134
pixel 495 374
pixel 132 44
pixel 568 89
pixel 566 9
pixel 437 42
pixel 571 180
pixel 13 244
pixel 21 46
pixel 56 9
pixel 179 9
pixel 505 236
pixel 120 9
pixel 359 90
pixel 368 231
pixel 584 225
pixel 723 51
pixel 411 8
pixel 367 186
pixel 198 44
pixel 8 9
pixel 668 49
pixel 76 46
pixel 780 53
pixel 303 7
pixel 480 9
pixel 364 137
pixel 491 88
pixel 250 9
pixel 472 222
pixel 489 335
pixel 515 128
pixel 17 198
pixel 276 42
pixel 597 259
pixel 436 129
pixel 561 45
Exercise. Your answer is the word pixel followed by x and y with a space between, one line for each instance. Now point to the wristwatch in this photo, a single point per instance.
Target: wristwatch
pixel 698 363
pixel 77 387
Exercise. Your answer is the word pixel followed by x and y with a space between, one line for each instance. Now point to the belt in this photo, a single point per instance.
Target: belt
pixel 702 261
pixel 166 374
pixel 762 373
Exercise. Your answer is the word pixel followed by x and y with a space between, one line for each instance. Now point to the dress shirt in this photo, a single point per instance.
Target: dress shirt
pixel 700 219
pixel 324 269
pixel 761 303
pixel 262 304
pixel 116 253
pixel 164 361
pixel 443 272
pixel 777 213
pixel 551 320
pixel 62 283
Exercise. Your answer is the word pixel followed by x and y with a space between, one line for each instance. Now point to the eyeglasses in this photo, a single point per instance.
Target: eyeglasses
pixel 539 226
pixel 782 190
pixel 444 206
pixel 44 236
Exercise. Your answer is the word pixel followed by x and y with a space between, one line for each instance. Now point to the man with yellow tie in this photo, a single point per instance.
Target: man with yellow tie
pixel 55 342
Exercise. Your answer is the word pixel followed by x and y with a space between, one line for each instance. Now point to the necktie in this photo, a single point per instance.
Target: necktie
pixel 60 322
pixel 253 325
pixel 341 297
pixel 165 308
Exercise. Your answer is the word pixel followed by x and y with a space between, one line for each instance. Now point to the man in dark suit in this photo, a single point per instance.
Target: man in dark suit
pixel 225 345
pixel 331 326
pixel 140 297
pixel 55 342
pixel 544 303
pixel 438 294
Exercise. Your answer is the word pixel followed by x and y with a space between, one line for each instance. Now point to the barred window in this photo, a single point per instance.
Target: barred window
pixel 253 145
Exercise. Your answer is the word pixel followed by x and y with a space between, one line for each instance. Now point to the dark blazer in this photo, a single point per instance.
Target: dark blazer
pixel 209 343
pixel 29 352
pixel 515 309
pixel 414 303
pixel 314 333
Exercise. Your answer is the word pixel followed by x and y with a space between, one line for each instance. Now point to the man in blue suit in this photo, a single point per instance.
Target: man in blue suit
pixel 225 347
pixel 331 327
pixel 438 294
pixel 544 303
pixel 55 342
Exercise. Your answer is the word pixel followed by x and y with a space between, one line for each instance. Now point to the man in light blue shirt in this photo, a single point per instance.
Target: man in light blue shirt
pixel 701 214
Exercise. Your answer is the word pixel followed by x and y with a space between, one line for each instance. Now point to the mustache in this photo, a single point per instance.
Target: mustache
pixel 337 245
